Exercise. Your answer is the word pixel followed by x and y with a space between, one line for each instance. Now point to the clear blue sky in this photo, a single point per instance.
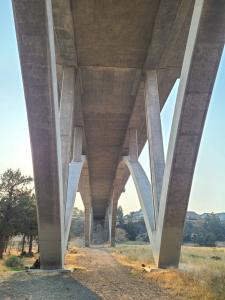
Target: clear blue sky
pixel 208 190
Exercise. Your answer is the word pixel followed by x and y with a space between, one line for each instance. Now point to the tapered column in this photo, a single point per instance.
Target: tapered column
pixel 34 26
pixel 155 141
pixel 201 60
pixel 112 219
pixel 87 225
pixel 75 168
pixel 66 122
pixel 172 184
pixel 85 192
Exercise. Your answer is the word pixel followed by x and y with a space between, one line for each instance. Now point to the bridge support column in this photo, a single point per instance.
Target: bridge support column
pixel 87 225
pixel 75 168
pixel 154 133
pixel 35 34
pixel 112 212
pixel 67 102
pixel 106 225
pixel 165 203
pixel 198 73
pixel 98 231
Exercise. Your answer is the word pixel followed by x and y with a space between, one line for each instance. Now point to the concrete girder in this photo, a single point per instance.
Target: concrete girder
pixel 177 39
pixel 87 225
pixel 75 168
pixel 85 192
pixel 161 33
pixel 110 221
pixel 106 226
pixel 155 140
pixel 112 210
pixel 190 111
pixel 166 50
pixel 67 105
pixel 64 33
pixel 34 27
pixel 143 188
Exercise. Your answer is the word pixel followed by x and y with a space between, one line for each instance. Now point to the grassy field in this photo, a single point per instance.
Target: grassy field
pixel 201 274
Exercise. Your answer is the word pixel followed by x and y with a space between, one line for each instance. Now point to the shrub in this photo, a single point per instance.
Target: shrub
pixel 120 235
pixel 14 262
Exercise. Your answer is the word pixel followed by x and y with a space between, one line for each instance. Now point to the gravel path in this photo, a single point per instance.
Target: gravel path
pixel 110 280
pixel 102 277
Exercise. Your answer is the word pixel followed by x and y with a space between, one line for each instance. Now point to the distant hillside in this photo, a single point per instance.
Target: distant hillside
pixel 136 216
pixel 191 215
pixel 207 229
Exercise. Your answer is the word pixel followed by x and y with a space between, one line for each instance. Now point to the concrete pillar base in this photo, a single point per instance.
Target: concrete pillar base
pixel 48 271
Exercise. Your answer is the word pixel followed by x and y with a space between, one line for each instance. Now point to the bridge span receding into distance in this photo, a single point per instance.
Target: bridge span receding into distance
pixel 96 75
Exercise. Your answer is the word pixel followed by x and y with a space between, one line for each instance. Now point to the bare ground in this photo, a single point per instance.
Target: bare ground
pixel 97 275
pixel 110 280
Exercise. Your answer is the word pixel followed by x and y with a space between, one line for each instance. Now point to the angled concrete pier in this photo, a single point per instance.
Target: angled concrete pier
pixel 96 75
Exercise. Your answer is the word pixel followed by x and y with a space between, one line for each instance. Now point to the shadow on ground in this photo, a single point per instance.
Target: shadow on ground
pixel 26 286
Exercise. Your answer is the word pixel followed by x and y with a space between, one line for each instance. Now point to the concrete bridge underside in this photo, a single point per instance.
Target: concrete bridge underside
pixel 96 75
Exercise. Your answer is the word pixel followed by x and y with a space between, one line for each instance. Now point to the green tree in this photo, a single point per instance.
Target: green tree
pixel 120 215
pixel 204 231
pixel 132 230
pixel 214 226
pixel 27 220
pixel 14 188
pixel 188 230
pixel 77 224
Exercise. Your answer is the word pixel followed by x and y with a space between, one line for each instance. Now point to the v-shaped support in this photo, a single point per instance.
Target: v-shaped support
pixel 74 172
pixel 167 198
pixel 75 168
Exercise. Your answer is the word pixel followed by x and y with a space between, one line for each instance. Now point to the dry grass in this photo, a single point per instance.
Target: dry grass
pixel 6 271
pixel 70 261
pixel 201 274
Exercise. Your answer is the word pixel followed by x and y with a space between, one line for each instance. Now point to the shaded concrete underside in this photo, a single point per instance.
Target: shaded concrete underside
pixel 113 44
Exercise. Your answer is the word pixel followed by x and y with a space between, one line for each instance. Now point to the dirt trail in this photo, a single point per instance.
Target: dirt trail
pixel 110 280
pixel 98 276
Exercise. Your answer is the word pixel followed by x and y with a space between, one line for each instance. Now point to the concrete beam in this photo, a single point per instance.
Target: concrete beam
pixel 87 225
pixel 112 210
pixel 106 233
pixel 64 33
pixel 110 222
pixel 85 192
pixel 133 144
pixel 154 132
pixel 66 121
pixel 77 144
pixel 167 10
pixel 75 168
pixel 173 53
pixel 34 27
pixel 143 188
